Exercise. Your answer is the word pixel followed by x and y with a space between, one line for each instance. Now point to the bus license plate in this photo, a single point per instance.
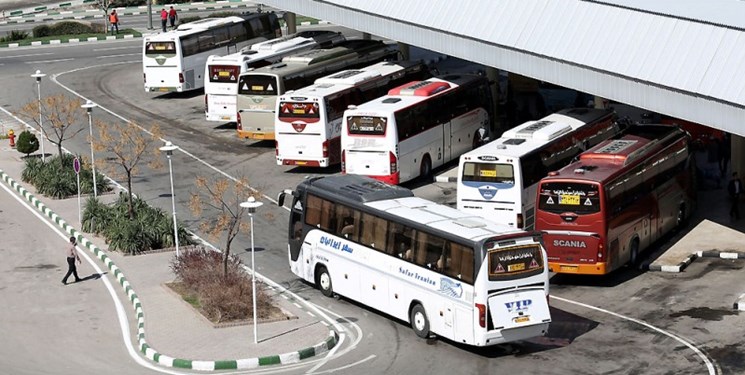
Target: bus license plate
pixel 572 200
pixel 225 118
pixel 298 111
pixel 258 136
pixel 564 268
pixel 163 89
pixel 516 267
pixel 223 74
pixel 301 162
pixel 521 319
pixel 488 173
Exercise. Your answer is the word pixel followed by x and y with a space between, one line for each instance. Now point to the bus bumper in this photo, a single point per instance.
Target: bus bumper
pixel 388 179
pixel 161 89
pixel 220 118
pixel 259 136
pixel 579 269
pixel 303 163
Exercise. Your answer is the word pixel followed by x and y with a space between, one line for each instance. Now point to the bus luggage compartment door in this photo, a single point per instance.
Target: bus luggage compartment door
pixel 521 308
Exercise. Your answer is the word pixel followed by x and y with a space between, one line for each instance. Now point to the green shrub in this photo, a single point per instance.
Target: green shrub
pixel 223 13
pixel 27 143
pixel 188 19
pixel 127 3
pixel 70 28
pixel 31 170
pixel 41 31
pixel 15 35
pixel 96 216
pixel 56 178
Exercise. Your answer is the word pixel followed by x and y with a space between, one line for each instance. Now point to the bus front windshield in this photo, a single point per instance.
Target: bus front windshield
pixel 576 197
pixel 494 173
pixel 255 84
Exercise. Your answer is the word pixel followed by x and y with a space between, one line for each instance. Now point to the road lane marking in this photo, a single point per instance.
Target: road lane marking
pixel 699 352
pixel 47 61
pixel 114 48
pixel 26 55
pixel 122 55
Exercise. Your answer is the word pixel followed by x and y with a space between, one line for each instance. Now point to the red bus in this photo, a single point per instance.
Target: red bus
pixel 601 211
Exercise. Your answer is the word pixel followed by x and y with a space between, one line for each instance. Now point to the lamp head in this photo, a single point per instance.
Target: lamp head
pixel 168 148
pixel 251 204
pixel 38 75
pixel 89 105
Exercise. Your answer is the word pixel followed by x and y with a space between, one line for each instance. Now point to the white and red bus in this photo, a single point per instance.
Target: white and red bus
pixel 221 72
pixel 498 180
pixel 600 212
pixel 307 128
pixel 418 126
pixel 445 272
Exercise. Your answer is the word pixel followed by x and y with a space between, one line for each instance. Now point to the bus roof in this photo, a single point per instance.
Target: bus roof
pixel 531 135
pixel 613 156
pixel 396 201
pixel 345 79
pixel 414 92
pixel 198 26
pixel 300 62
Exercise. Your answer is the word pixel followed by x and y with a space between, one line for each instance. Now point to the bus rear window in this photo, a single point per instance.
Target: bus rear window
pixel 489 172
pixel 224 73
pixel 514 262
pixel 298 110
pixel 253 84
pixel 159 48
pixel 366 125
pixel 576 197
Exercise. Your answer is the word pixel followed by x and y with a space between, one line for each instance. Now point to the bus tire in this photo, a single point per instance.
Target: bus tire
pixel 425 170
pixel 419 321
pixel 634 250
pixel 323 282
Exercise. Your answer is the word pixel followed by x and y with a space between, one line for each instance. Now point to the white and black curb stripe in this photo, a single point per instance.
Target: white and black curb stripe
pixel 721 254
pixel 676 268
pixel 150 353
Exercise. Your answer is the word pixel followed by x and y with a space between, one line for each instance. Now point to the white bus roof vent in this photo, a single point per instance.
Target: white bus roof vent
pixel 421 88
pixel 512 142
pixel 349 77
pixel 543 130
pixel 615 146
pixel 391 100
pixel 278 65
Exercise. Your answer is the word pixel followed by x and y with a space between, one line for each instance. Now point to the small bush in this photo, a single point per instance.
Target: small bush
pixel 224 13
pixel 56 177
pixel 41 31
pixel 31 170
pixel 96 216
pixel 15 35
pixel 70 28
pixel 188 19
pixel 27 143
pixel 127 3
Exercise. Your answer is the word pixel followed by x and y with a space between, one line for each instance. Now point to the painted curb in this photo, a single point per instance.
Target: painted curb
pixel 149 352
pixel 71 40
pixel 740 303
pixel 676 268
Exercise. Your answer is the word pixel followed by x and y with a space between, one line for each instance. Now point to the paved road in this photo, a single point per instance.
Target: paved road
pixel 695 305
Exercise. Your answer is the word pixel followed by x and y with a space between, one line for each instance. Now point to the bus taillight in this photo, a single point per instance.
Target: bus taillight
pixel 144 77
pixel 520 221
pixel 276 148
pixel 343 162
pixel 482 314
pixel 238 120
pixel 206 104
pixel 326 148
pixel 394 162
pixel 181 78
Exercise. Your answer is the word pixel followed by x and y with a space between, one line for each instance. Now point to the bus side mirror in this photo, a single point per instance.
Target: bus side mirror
pixel 281 197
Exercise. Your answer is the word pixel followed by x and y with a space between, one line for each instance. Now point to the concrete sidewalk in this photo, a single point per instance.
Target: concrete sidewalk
pixel 169 330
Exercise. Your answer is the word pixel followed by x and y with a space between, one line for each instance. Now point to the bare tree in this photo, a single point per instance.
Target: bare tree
pixel 105 5
pixel 225 196
pixel 61 116
pixel 130 146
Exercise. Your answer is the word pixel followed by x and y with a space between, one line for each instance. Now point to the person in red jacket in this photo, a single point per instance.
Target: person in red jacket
pixel 173 17
pixel 164 18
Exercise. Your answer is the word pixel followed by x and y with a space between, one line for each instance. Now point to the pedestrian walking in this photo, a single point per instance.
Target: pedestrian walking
pixel 114 22
pixel 734 187
pixel 72 256
pixel 172 16
pixel 164 18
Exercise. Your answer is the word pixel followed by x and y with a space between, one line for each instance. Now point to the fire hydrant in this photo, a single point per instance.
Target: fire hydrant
pixel 12 137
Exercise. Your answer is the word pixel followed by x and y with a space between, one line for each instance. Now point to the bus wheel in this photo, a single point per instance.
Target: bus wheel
pixel 425 171
pixel 634 261
pixel 323 282
pixel 419 321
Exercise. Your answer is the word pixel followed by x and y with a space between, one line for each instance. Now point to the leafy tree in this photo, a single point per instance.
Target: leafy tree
pixel 61 116
pixel 129 145
pixel 27 143
pixel 225 196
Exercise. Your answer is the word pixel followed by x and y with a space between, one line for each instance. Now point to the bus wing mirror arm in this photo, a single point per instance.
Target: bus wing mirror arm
pixel 281 197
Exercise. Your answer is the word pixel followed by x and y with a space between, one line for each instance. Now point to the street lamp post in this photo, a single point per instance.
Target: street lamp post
pixel 38 75
pixel 89 105
pixel 168 148
pixel 252 205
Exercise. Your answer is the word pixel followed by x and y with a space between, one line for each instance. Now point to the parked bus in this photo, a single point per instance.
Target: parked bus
pixel 416 127
pixel 221 85
pixel 445 272
pixel 498 180
pixel 600 212
pixel 308 123
pixel 174 60
pixel 258 89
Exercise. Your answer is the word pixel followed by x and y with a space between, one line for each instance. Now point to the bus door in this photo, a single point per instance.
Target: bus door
pixel 297 234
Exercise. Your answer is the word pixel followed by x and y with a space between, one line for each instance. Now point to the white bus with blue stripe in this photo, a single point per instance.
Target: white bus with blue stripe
pixel 445 272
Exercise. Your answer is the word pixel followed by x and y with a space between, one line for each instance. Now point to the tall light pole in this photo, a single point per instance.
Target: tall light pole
pixel 168 148
pixel 89 105
pixel 38 75
pixel 251 204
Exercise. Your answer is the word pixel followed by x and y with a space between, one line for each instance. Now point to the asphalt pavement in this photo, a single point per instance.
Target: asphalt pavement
pixel 166 329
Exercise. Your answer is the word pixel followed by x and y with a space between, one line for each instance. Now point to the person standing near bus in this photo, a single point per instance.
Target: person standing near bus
pixel 114 22
pixel 172 16
pixel 164 19
pixel 735 191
